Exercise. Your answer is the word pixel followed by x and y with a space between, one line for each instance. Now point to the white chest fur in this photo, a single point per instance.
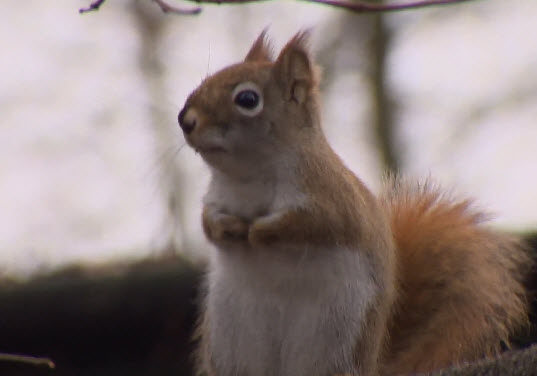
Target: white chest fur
pixel 287 316
pixel 282 312
pixel 267 189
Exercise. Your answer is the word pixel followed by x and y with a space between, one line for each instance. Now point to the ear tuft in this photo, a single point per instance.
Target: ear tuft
pixel 294 69
pixel 261 50
pixel 300 40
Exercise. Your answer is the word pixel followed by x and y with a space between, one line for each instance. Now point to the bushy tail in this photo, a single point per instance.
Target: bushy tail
pixel 460 283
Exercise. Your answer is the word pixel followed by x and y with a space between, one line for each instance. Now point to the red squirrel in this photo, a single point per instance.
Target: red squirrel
pixel 312 273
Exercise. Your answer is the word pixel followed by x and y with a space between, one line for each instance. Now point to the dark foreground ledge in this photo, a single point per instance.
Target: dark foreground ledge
pixel 522 362
pixel 137 320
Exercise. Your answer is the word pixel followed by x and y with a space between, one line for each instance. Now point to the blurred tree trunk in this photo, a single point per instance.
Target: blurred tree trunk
pixel 380 92
pixel 151 25
pixel 362 44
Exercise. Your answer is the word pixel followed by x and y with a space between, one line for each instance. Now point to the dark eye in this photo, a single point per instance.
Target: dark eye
pixel 248 99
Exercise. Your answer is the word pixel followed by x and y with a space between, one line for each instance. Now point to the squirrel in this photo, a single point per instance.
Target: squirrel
pixel 312 273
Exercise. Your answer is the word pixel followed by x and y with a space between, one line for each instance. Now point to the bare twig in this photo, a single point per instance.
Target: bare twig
pixel 355 5
pixel 167 8
pixel 350 5
pixel 368 7
pixel 164 6
pixel 27 359
pixel 93 6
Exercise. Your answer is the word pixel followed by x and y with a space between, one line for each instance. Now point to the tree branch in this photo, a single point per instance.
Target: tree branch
pixel 367 7
pixel 93 6
pixel 27 359
pixel 167 8
pixel 350 5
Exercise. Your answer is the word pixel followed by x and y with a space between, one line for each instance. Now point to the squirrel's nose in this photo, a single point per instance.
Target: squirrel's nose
pixel 187 120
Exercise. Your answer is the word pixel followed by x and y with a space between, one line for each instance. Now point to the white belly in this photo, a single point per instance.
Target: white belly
pixel 275 315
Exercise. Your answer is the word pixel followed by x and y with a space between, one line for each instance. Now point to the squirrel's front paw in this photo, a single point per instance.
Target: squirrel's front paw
pixel 221 227
pixel 266 230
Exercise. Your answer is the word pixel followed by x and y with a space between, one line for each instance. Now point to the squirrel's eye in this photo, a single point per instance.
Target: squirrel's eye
pixel 248 99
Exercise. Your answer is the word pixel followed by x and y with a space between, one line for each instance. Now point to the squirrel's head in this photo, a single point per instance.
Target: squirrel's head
pixel 251 111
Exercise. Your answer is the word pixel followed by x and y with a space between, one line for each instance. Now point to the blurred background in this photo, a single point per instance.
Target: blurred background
pixel 100 237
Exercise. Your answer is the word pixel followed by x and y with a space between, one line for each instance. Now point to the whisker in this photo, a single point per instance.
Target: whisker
pixel 208 61
pixel 162 162
pixel 180 148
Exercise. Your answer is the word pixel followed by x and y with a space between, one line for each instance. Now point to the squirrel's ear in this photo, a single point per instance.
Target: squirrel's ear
pixel 294 70
pixel 260 50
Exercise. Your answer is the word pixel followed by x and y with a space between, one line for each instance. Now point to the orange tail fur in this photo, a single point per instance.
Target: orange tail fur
pixel 460 283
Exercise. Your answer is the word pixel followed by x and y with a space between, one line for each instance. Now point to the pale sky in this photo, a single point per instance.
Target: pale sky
pixel 79 167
